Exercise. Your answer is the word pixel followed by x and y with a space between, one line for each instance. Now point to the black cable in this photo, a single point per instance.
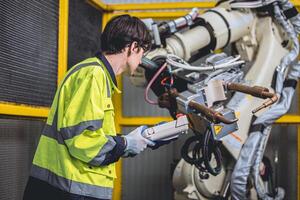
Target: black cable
pixel 201 154
pixel 210 147
pixel 185 150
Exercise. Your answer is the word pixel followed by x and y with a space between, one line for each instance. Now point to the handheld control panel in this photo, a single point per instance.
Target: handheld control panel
pixel 167 131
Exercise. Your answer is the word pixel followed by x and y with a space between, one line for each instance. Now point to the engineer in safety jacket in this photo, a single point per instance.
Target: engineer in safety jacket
pixel 78 148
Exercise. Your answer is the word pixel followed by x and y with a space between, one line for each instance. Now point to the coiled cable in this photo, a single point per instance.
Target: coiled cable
pixel 202 148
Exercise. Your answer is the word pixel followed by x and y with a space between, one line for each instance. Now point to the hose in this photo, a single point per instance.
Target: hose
pixel 150 84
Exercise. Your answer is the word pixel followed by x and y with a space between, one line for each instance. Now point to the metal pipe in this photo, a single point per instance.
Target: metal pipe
pixel 256 91
pixel 267 103
pixel 210 114
pixel 179 23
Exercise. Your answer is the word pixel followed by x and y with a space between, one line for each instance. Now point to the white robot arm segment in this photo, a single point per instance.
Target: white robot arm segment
pixel 265 39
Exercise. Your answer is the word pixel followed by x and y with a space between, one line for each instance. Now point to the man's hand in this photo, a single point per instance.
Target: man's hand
pixel 136 143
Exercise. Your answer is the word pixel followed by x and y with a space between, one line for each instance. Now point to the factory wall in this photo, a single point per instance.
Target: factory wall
pixel 134 103
pixel 148 175
pixel 283 143
pixel 18 141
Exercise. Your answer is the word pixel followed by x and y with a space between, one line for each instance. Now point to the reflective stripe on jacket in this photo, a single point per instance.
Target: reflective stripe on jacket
pixel 79 146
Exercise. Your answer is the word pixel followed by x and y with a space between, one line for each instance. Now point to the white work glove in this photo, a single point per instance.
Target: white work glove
pixel 136 143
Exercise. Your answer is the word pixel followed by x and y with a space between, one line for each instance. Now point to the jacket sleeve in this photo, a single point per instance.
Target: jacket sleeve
pixel 81 123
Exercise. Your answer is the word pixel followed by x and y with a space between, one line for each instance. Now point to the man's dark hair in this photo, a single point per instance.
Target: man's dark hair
pixel 122 31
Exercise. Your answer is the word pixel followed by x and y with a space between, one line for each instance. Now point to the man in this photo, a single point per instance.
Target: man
pixel 76 154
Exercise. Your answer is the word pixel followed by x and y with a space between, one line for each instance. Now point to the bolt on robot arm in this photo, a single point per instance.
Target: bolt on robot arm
pixel 231 100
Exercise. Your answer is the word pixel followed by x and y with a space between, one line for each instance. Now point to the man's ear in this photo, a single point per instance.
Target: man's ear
pixel 134 47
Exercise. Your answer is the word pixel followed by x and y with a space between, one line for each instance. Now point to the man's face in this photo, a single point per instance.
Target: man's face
pixel 135 58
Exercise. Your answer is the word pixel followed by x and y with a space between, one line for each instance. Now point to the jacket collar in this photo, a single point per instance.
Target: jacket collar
pixel 109 68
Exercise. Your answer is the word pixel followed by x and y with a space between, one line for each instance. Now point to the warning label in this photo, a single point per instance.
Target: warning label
pixel 218 129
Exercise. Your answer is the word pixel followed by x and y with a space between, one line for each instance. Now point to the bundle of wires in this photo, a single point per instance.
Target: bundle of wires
pixel 180 63
pixel 203 148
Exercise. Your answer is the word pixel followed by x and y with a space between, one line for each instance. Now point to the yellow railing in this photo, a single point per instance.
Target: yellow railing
pixel 23 110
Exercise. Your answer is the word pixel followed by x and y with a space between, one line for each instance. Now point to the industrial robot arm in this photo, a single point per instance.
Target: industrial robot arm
pixel 231 99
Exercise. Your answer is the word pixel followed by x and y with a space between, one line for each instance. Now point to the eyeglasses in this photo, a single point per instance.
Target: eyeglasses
pixel 146 49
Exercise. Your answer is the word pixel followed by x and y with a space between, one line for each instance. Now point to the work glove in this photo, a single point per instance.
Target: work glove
pixel 160 143
pixel 136 143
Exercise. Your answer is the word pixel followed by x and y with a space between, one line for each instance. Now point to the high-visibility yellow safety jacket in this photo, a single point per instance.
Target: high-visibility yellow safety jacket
pixel 78 146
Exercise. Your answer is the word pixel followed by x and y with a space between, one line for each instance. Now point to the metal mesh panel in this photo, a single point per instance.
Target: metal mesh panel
pixel 18 140
pixel 28 51
pixel 85 23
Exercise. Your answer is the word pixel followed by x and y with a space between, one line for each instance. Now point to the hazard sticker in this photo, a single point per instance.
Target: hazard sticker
pixel 218 129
